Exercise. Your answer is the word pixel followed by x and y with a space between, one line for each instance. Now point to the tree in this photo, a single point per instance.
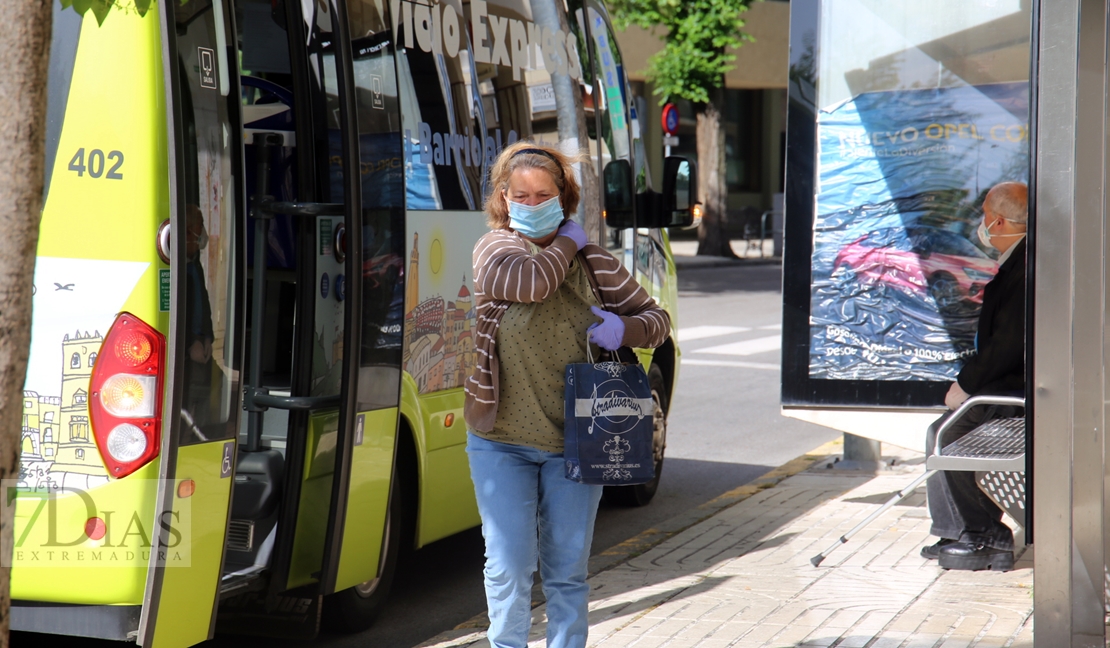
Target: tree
pixel 100 8
pixel 24 52
pixel 697 54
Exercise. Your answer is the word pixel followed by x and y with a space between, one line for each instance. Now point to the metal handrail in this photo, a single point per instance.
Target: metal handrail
pixel 1014 401
pixel 259 399
pixel 307 209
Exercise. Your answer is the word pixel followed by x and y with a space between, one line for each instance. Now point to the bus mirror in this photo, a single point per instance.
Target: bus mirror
pixel 680 185
pixel 618 194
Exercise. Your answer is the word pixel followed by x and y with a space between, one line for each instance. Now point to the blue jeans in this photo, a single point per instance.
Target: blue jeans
pixel 531 511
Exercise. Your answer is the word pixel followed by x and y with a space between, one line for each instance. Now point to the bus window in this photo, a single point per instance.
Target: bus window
pixel 383 225
pixel 614 134
pixel 519 103
pixel 444 153
pixel 63 51
pixel 543 100
pixel 209 181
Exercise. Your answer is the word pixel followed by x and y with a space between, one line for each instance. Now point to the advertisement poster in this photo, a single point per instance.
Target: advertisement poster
pixel 897 269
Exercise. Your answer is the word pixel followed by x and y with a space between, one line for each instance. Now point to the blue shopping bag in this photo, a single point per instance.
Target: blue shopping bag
pixel 609 424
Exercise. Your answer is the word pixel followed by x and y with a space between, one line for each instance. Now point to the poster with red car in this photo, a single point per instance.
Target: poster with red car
pixel 897 269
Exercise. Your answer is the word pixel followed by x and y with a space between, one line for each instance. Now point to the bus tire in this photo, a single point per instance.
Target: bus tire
pixel 356 608
pixel 642 494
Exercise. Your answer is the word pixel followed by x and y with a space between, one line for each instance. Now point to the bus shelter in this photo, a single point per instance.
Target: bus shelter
pixel 901 117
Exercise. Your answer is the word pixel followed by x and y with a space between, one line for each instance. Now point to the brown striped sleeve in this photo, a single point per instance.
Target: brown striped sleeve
pixel 505 269
pixel 646 325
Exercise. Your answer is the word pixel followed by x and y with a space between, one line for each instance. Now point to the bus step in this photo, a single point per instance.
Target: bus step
pixel 232 584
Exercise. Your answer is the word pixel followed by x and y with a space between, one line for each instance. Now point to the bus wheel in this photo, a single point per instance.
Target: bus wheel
pixel 355 609
pixel 641 494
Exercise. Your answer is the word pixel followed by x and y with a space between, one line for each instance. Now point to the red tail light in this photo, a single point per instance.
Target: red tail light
pixel 125 391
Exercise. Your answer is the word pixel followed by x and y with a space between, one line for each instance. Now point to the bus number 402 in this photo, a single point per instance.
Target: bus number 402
pixel 96 164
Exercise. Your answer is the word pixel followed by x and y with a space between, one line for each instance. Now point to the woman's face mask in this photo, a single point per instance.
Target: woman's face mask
pixel 536 221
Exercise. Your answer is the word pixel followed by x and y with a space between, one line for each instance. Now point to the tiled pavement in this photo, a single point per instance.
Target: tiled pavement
pixel 742 578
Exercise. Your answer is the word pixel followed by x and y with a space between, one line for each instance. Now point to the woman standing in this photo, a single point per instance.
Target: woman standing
pixel 535 308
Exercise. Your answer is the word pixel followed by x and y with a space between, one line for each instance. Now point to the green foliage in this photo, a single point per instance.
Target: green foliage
pixel 100 8
pixel 700 33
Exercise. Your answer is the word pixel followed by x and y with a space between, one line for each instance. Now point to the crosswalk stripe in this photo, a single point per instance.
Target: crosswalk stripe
pixel 746 347
pixel 730 363
pixel 699 332
pixel 771 327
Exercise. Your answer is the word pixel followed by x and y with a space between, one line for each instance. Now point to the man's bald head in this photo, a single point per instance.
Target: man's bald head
pixel 1010 200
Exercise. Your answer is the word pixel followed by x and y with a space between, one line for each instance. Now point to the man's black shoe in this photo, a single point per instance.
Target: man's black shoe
pixel 974 557
pixel 932 552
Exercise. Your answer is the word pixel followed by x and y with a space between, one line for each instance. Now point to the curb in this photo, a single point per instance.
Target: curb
pixel 692 262
pixel 473 629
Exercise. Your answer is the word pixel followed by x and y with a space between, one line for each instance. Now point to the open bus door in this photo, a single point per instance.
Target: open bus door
pixel 283 141
pixel 134 450
pixel 202 243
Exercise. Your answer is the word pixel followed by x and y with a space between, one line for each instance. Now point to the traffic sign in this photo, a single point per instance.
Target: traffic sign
pixel 670 119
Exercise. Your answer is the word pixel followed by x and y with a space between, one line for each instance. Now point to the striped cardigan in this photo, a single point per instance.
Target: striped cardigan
pixel 506 272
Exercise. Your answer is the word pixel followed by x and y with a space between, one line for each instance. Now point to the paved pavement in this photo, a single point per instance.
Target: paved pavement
pixel 737 573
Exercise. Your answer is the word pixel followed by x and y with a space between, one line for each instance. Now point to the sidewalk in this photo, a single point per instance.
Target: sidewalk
pixel 743 578
pixel 685 254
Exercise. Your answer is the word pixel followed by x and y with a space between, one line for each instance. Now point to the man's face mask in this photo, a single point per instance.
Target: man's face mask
pixel 985 235
pixel 196 241
pixel 536 221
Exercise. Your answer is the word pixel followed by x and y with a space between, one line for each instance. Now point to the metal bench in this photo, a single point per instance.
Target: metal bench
pixel 995 451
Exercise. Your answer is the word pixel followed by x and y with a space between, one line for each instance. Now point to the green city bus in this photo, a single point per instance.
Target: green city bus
pixel 253 311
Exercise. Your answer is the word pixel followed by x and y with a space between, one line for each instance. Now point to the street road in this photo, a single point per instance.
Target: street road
pixel 724 430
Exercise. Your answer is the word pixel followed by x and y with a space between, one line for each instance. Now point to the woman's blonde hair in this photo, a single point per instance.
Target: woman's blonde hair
pixel 517 156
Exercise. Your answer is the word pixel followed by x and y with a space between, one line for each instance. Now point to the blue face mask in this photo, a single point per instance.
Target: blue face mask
pixel 536 221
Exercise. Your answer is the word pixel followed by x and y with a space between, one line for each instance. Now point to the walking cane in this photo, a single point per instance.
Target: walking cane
pixel 898 497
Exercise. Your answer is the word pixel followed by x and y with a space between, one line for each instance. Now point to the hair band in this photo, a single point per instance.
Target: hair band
pixel 536 151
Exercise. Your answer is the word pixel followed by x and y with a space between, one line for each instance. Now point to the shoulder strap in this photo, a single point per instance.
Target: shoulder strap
pixel 590 277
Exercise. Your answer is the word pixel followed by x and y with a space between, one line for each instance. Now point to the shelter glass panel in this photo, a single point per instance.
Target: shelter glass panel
pixel 901 117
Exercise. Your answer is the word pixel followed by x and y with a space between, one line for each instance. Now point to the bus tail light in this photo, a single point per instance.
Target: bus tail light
pixel 125 391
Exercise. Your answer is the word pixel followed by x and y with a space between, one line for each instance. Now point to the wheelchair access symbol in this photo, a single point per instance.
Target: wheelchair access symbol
pixel 225 465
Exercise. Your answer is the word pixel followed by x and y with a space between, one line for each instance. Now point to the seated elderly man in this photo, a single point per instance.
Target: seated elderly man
pixel 972 535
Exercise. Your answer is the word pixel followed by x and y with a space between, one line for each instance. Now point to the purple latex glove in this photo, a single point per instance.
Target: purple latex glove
pixel 574 232
pixel 608 333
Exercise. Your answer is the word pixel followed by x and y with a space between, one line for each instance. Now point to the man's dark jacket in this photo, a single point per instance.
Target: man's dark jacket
pixel 999 365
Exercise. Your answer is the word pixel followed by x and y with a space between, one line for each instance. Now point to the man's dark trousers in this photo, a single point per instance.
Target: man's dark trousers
pixel 960 510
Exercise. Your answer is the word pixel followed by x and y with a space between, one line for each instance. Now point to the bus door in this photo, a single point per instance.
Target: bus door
pixel 312 436
pixel 200 293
